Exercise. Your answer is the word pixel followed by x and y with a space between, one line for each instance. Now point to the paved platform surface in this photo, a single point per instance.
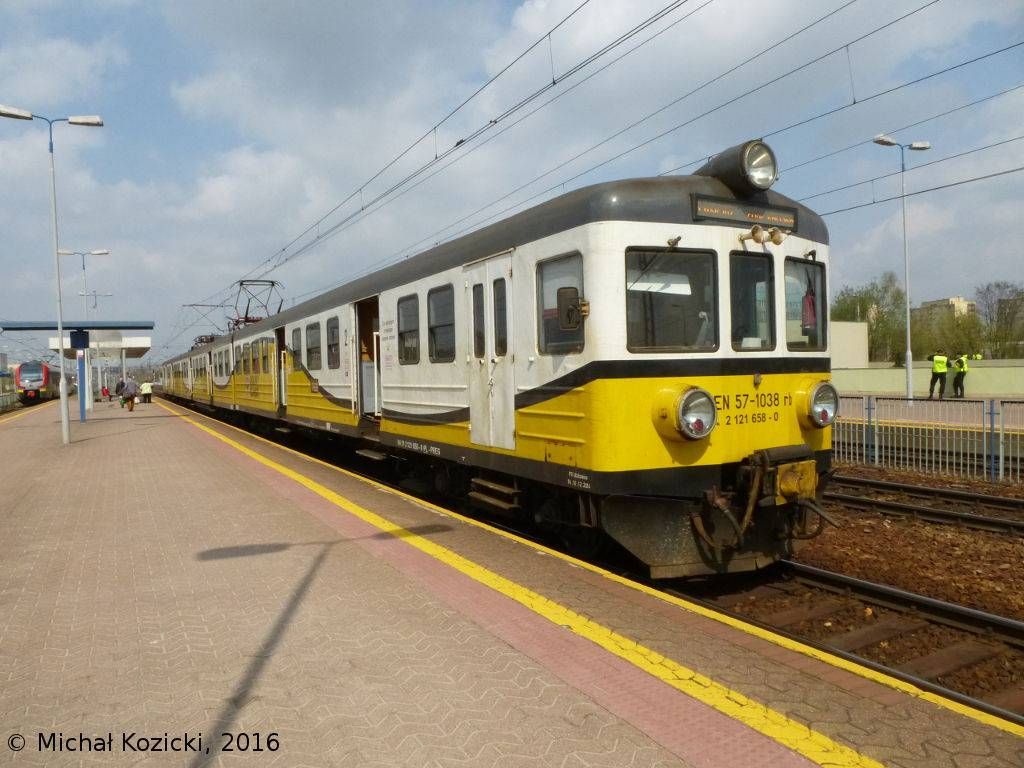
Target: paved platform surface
pixel 167 575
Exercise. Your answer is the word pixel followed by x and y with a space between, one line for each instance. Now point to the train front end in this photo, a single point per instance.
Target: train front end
pixel 722 429
pixel 32 382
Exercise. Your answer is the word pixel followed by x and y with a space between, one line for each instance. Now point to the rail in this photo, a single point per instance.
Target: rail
pixel 1001 635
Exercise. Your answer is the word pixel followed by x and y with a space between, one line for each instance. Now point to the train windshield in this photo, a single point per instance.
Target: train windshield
pixel 752 297
pixel 805 304
pixel 30 372
pixel 670 301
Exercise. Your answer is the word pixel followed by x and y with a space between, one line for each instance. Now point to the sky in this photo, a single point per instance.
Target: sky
pixel 235 132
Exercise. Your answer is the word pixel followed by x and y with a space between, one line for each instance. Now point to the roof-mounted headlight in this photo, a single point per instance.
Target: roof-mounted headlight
pixel 746 169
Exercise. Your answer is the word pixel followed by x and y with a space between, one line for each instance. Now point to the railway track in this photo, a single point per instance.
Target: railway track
pixel 972 638
pixel 950 506
pixel 937 646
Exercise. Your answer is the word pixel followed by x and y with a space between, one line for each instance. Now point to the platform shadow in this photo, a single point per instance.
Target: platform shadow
pixel 239 697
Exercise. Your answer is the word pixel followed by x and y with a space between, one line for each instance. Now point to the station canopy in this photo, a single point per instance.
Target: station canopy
pixel 107 338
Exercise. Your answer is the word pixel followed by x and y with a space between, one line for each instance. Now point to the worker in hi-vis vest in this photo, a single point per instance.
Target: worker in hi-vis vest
pixel 960 369
pixel 939 365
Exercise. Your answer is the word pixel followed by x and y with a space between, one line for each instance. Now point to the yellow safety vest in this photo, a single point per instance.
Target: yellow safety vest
pixel 939 363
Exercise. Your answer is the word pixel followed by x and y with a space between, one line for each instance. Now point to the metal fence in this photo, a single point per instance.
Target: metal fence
pixel 8 400
pixel 1011 440
pixel 963 438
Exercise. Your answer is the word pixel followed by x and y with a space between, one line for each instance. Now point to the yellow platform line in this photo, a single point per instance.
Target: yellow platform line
pixel 709 613
pixel 25 411
pixel 815 746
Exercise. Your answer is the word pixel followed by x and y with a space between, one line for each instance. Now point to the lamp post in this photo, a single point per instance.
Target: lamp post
pixel 88 120
pixel 86 390
pixel 918 146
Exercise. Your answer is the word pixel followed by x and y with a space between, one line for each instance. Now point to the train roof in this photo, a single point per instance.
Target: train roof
pixel 662 199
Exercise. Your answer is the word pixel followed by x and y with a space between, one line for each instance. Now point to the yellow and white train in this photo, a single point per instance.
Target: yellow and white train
pixel 644 361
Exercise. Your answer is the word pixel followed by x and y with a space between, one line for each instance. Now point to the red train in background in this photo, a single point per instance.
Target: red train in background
pixel 36 382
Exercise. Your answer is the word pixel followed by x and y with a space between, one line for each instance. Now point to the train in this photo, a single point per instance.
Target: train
pixel 36 382
pixel 641 364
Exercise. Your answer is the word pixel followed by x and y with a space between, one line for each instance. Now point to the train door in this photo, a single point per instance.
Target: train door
pixel 280 372
pixel 368 356
pixel 492 413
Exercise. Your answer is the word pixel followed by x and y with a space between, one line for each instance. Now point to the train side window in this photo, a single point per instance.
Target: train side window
pixel 671 300
pixel 313 346
pixel 264 353
pixel 245 358
pixel 479 331
pixel 500 319
pixel 553 274
pixel 805 305
pixel 752 294
pixel 297 346
pixel 238 358
pixel 333 343
pixel 441 324
pixel 409 330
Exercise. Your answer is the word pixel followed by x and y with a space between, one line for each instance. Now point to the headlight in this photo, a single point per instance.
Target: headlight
pixel 759 164
pixel 824 404
pixel 696 414
pixel 747 169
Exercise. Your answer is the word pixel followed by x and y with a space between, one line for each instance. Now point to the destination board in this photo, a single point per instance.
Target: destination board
pixel 731 210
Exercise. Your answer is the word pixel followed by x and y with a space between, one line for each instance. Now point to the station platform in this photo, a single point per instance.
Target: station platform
pixel 167 575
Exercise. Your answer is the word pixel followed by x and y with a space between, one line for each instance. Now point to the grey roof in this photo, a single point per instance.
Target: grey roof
pixel 75 325
pixel 664 199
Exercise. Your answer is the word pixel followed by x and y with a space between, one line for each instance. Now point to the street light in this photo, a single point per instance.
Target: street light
pixel 918 146
pixel 86 390
pixel 88 120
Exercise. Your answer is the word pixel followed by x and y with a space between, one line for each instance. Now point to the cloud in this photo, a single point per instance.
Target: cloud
pixel 38 74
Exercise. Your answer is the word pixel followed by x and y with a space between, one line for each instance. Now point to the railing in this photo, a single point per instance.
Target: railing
pixel 1011 440
pixel 962 438
pixel 8 400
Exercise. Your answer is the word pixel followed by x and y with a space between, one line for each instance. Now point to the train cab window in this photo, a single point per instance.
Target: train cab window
pixel 500 319
pixel 752 296
pixel 805 305
pixel 671 301
pixel 441 324
pixel 561 272
pixel 313 346
pixel 245 359
pixel 409 330
pixel 479 331
pixel 333 344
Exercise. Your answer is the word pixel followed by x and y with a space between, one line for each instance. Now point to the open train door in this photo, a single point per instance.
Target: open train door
pixel 492 391
pixel 280 372
pixel 368 358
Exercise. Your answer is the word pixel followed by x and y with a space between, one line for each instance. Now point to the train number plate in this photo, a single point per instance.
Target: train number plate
pixel 742 408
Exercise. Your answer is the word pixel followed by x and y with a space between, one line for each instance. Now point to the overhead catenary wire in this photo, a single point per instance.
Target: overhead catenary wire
pixel 767 49
pixel 936 188
pixel 917 167
pixel 399 255
pixel 461 144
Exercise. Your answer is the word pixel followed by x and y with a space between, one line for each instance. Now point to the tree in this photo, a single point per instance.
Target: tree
pixel 881 304
pixel 1001 307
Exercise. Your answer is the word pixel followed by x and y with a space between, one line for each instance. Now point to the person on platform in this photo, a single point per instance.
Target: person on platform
pixel 146 388
pixel 105 393
pixel 119 391
pixel 960 369
pixel 131 390
pixel 940 364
